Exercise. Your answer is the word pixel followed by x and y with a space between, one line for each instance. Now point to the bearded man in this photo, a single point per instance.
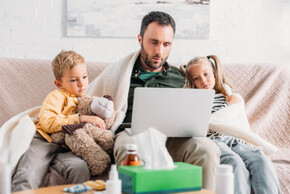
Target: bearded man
pixel 149 68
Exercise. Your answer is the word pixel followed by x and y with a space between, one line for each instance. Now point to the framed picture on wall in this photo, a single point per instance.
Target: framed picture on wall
pixel 122 18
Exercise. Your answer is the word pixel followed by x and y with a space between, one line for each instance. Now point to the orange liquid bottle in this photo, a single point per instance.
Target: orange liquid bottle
pixel 131 158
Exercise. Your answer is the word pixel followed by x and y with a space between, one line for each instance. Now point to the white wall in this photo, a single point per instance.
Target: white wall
pixel 244 31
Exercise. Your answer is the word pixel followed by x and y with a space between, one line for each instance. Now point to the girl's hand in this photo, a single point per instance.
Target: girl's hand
pixel 233 99
pixel 94 120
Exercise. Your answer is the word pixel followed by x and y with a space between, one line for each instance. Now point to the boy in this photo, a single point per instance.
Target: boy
pixel 58 109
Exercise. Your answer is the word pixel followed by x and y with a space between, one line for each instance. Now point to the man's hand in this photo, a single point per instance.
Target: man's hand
pixel 93 120
pixel 233 99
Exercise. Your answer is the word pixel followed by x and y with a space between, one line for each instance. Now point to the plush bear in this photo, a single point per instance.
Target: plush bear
pixel 86 140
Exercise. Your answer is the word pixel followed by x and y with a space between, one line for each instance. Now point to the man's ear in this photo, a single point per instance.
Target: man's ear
pixel 58 84
pixel 139 39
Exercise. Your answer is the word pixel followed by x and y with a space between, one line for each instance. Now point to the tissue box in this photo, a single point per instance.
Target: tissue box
pixel 185 177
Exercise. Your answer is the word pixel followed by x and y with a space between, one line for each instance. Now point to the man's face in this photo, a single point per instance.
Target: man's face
pixel 155 46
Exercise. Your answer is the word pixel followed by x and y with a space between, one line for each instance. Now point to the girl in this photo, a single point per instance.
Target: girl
pixel 251 166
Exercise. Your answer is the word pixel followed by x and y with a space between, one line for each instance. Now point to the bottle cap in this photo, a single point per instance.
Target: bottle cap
pixel 131 147
pixel 224 169
pixel 113 175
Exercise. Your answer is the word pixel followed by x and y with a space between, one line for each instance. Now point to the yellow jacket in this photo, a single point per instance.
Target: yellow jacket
pixel 57 109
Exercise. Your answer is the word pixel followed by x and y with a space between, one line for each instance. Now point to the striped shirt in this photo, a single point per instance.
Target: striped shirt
pixel 219 102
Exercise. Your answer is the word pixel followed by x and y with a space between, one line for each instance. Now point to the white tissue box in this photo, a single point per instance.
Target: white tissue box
pixel 185 177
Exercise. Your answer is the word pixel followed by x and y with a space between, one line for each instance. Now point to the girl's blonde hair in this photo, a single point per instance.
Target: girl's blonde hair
pixel 65 60
pixel 214 63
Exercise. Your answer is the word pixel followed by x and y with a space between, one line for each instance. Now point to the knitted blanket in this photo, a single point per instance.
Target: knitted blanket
pixel 16 134
pixel 117 76
pixel 232 120
pixel 266 91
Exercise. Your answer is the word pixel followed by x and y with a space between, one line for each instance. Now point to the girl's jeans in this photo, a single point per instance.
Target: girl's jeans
pixel 250 165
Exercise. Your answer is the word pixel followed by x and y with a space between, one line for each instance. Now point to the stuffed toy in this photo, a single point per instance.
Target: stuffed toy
pixel 91 143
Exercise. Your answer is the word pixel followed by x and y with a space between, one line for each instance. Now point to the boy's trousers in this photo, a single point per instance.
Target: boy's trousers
pixel 34 165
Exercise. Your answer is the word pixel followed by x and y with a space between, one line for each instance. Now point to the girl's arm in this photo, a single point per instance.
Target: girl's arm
pixel 233 99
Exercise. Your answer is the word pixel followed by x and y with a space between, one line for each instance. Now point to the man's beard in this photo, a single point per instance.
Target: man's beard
pixel 147 62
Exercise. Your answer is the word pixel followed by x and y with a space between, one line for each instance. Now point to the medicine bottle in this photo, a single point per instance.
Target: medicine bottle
pixel 131 158
pixel 224 179
pixel 113 184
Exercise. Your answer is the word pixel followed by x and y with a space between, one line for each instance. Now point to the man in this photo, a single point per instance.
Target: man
pixel 148 68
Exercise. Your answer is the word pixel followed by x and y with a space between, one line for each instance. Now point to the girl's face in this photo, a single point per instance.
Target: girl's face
pixel 202 76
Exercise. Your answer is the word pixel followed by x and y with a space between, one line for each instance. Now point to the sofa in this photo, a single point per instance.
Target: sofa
pixel 265 88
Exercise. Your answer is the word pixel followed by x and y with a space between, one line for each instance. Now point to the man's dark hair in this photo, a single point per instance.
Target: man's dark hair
pixel 161 18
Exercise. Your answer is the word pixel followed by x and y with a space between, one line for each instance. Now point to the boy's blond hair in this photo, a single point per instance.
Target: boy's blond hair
pixel 65 60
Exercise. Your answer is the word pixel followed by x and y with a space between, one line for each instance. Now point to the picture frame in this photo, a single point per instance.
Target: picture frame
pixel 122 19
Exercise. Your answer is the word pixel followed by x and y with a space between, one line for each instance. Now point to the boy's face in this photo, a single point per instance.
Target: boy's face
pixel 74 80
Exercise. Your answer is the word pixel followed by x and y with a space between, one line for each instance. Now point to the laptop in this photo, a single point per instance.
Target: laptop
pixel 176 112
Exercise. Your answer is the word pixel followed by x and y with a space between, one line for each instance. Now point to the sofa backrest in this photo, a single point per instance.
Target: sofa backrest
pixel 25 83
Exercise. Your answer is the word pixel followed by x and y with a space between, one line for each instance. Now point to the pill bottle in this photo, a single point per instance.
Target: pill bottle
pixel 224 179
